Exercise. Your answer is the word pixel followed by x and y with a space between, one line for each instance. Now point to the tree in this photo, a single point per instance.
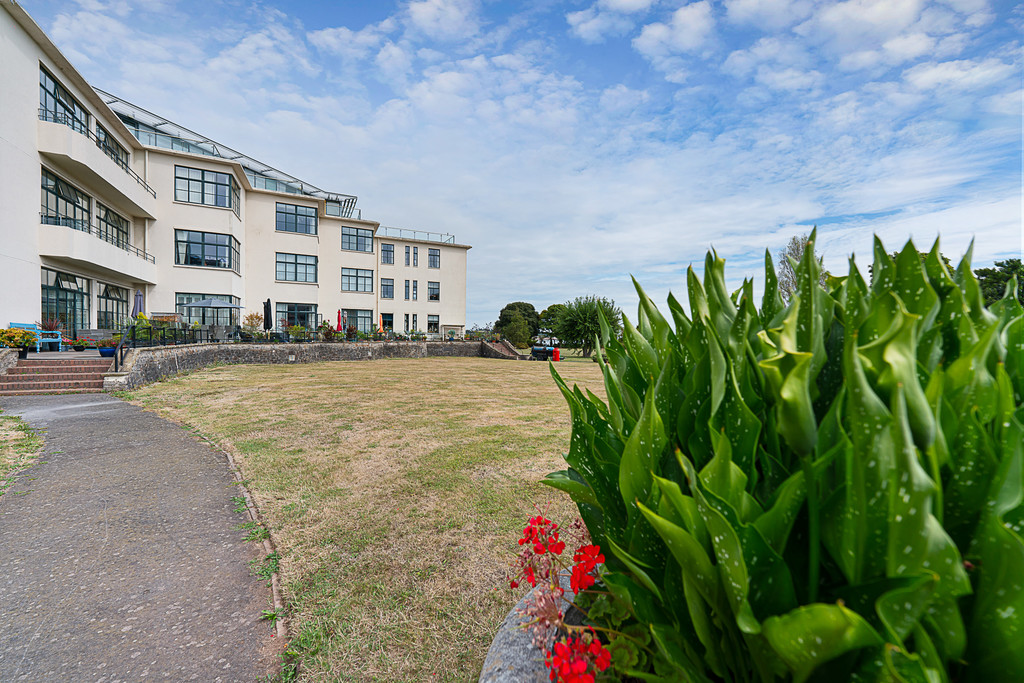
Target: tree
pixel 787 278
pixel 529 313
pixel 578 324
pixel 993 280
pixel 549 317
pixel 517 330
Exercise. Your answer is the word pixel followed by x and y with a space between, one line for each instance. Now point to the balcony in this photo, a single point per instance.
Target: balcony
pixel 401 233
pixel 85 245
pixel 78 152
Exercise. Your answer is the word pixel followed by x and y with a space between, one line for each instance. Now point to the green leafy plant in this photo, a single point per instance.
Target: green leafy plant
pixel 266 567
pixel 825 490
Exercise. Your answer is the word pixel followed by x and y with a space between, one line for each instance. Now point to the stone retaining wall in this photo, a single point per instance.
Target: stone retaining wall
pixel 8 359
pixel 142 366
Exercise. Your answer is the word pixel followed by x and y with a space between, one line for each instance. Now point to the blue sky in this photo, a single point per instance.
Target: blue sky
pixel 576 143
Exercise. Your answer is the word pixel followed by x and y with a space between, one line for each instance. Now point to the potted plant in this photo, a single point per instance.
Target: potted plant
pixel 297 333
pixel 81 344
pixel 51 325
pixel 16 338
pixel 106 347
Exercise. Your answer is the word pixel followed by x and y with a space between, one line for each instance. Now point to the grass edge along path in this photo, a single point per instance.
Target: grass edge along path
pixel 20 446
pixel 394 491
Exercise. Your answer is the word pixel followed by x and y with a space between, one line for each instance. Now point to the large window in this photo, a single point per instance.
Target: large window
pixel 387 322
pixel 362 320
pixel 296 314
pixel 111 306
pixel 387 253
pixel 387 288
pixel 112 226
pixel 433 291
pixel 356 280
pixel 211 188
pixel 66 297
pixel 356 239
pixel 292 218
pixel 432 324
pixel 110 146
pixel 433 258
pixel 64 204
pixel 207 249
pixel 57 104
pixel 296 267
pixel 206 315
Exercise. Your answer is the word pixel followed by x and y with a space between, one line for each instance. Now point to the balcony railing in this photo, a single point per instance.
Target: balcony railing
pixel 73 124
pixel 84 226
pixel 402 233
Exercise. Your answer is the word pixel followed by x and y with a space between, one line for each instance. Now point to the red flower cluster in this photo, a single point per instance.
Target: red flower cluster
pixel 586 558
pixel 541 545
pixel 542 533
pixel 574 660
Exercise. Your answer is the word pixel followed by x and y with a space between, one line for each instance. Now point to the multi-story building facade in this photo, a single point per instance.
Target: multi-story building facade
pixel 131 202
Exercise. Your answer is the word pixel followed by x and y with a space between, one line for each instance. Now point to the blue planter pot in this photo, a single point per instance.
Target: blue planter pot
pixel 107 352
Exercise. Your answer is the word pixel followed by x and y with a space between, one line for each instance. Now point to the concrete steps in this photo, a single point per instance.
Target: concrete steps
pixel 55 376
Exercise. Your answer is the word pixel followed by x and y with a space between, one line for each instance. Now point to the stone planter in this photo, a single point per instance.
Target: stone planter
pixel 512 658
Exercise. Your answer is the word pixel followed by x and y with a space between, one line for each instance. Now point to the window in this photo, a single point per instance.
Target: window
pixel 415 256
pixel 415 286
pixel 296 314
pixel 387 253
pixel 110 146
pixel 362 320
pixel 415 325
pixel 292 218
pixel 407 250
pixel 356 239
pixel 332 208
pixel 206 249
pixel 356 280
pixel 64 204
pixel 65 296
pixel 111 306
pixel 197 186
pixel 433 258
pixel 387 288
pixel 296 267
pixel 432 324
pixel 113 227
pixel 406 290
pixel 206 315
pixel 387 322
pixel 56 104
pixel 433 291
pixel 406 322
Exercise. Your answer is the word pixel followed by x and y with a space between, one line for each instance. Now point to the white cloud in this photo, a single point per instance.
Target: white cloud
pixel 687 31
pixel 626 6
pixel 593 26
pixel 445 20
pixel 963 74
pixel 860 24
pixel 620 98
pixel 350 44
pixel 768 14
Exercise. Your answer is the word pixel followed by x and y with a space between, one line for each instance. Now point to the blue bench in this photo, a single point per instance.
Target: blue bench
pixel 42 335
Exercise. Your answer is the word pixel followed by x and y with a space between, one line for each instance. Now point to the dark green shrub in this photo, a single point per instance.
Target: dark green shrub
pixel 829 490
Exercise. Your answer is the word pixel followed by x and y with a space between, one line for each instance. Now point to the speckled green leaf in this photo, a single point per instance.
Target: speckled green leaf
pixel 811 635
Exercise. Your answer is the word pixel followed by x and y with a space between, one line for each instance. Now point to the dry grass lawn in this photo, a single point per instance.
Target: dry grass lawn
pixel 394 491
pixel 19 448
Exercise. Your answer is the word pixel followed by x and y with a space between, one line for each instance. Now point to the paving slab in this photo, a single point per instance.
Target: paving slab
pixel 119 554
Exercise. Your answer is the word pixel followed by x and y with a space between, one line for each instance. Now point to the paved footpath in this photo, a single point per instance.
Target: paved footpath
pixel 119 557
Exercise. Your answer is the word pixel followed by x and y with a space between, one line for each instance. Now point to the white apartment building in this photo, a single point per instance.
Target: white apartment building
pixel 131 202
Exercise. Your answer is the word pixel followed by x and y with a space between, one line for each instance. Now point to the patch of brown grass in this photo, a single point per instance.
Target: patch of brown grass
pixel 394 491
pixel 19 449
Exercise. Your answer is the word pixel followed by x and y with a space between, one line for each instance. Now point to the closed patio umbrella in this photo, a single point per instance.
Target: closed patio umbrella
pixel 339 319
pixel 137 307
